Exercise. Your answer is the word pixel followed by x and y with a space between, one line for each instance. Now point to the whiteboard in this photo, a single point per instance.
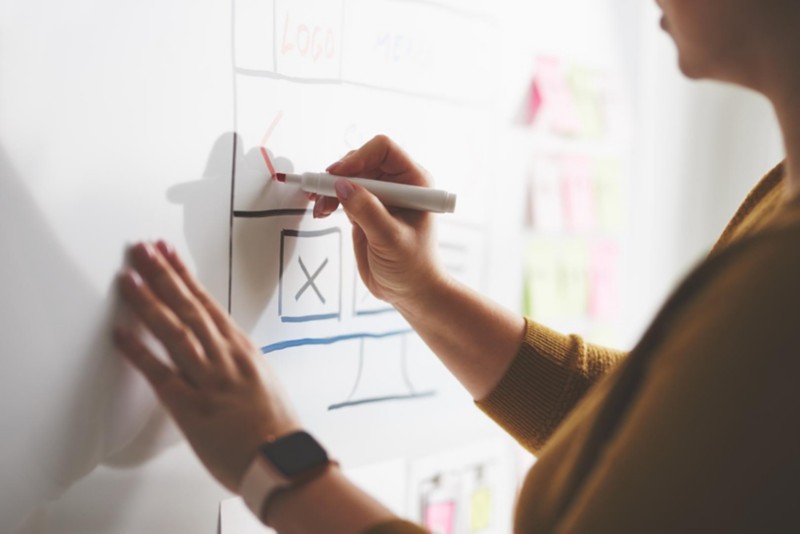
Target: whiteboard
pixel 166 120
pixel 103 120
pixel 313 80
pixel 126 122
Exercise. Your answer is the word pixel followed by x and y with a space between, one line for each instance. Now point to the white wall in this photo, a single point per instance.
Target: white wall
pixel 701 147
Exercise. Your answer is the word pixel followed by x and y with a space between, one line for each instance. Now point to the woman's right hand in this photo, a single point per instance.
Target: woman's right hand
pixel 395 248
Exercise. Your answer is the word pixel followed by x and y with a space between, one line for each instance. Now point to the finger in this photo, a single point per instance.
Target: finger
pixel 168 286
pixel 220 317
pixel 380 157
pixel 177 338
pixel 324 206
pixel 332 165
pixel 365 210
pixel 158 374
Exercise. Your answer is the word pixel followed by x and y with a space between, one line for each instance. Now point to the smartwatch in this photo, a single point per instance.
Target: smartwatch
pixel 281 463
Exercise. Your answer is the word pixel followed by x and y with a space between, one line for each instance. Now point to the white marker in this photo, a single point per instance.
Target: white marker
pixel 413 197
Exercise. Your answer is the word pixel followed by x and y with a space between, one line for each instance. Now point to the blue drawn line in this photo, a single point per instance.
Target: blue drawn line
pixel 376 312
pixel 348 404
pixel 329 340
pixel 309 318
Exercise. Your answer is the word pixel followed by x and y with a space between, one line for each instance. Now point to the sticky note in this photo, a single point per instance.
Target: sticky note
pixel 534 102
pixel 588 97
pixel 546 206
pixel 541 280
pixel 578 197
pixel 440 517
pixel 608 194
pixel 556 97
pixel 604 296
pixel 480 510
pixel 573 278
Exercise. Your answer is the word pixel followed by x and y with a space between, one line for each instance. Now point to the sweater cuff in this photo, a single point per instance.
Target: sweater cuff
pixel 529 400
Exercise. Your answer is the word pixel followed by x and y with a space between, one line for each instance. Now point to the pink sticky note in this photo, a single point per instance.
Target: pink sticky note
pixel 440 517
pixel 577 194
pixel 556 96
pixel 604 287
pixel 534 102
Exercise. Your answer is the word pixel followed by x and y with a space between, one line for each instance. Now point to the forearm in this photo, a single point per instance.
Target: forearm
pixel 329 503
pixel 476 338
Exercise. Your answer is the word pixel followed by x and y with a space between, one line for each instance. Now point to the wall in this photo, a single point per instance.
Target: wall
pixel 701 147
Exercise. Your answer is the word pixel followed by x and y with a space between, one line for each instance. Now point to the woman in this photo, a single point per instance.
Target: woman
pixel 694 430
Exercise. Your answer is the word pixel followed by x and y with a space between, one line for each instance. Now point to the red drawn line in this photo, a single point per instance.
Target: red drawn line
pixel 270 167
pixel 263 147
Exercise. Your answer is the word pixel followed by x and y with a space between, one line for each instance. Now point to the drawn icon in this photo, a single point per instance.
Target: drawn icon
pixel 383 373
pixel 311 281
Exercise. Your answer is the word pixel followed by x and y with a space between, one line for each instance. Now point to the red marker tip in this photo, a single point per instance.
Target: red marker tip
pixel 281 177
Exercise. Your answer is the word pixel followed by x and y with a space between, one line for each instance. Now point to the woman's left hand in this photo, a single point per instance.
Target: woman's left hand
pixel 215 385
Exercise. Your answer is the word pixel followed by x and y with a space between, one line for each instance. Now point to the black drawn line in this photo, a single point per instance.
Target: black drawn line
pixel 380 399
pixel 261 214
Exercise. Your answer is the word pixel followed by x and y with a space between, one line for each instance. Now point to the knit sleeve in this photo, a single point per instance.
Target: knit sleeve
pixel 548 376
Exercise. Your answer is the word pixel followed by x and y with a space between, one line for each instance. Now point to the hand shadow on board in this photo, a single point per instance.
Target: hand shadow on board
pixel 66 395
pixel 68 400
pixel 256 260
pixel 254 264
pixel 206 212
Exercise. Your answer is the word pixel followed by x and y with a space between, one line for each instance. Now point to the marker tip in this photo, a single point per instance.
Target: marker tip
pixel 281 177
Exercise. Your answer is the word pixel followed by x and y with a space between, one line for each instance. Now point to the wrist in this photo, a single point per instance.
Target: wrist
pixel 429 294
pixel 274 508
pixel 280 464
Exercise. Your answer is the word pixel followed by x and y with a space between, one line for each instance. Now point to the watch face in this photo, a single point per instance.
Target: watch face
pixel 295 453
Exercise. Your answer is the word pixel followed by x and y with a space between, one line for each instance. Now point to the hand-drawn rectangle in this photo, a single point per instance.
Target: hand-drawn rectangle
pixel 311 279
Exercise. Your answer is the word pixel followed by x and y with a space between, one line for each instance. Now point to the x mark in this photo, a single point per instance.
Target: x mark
pixel 310 280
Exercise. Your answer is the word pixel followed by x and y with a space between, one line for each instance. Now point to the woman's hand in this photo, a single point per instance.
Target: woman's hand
pixel 215 384
pixel 395 248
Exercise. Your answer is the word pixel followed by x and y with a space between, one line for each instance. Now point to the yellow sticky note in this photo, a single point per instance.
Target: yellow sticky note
pixel 573 278
pixel 589 100
pixel 480 510
pixel 541 281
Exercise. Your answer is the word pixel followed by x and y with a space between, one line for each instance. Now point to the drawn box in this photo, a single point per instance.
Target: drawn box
pixel 310 285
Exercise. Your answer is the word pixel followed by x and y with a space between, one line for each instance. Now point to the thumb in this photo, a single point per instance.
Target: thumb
pixel 365 210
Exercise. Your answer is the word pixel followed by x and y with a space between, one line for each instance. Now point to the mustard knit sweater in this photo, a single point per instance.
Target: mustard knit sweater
pixel 698 428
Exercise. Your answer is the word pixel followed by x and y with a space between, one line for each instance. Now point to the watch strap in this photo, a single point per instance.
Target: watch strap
pixel 259 483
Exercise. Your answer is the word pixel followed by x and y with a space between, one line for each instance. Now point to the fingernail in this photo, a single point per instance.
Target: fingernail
pixel 317 209
pixel 148 251
pixel 163 248
pixel 344 189
pixel 131 277
pixel 334 166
